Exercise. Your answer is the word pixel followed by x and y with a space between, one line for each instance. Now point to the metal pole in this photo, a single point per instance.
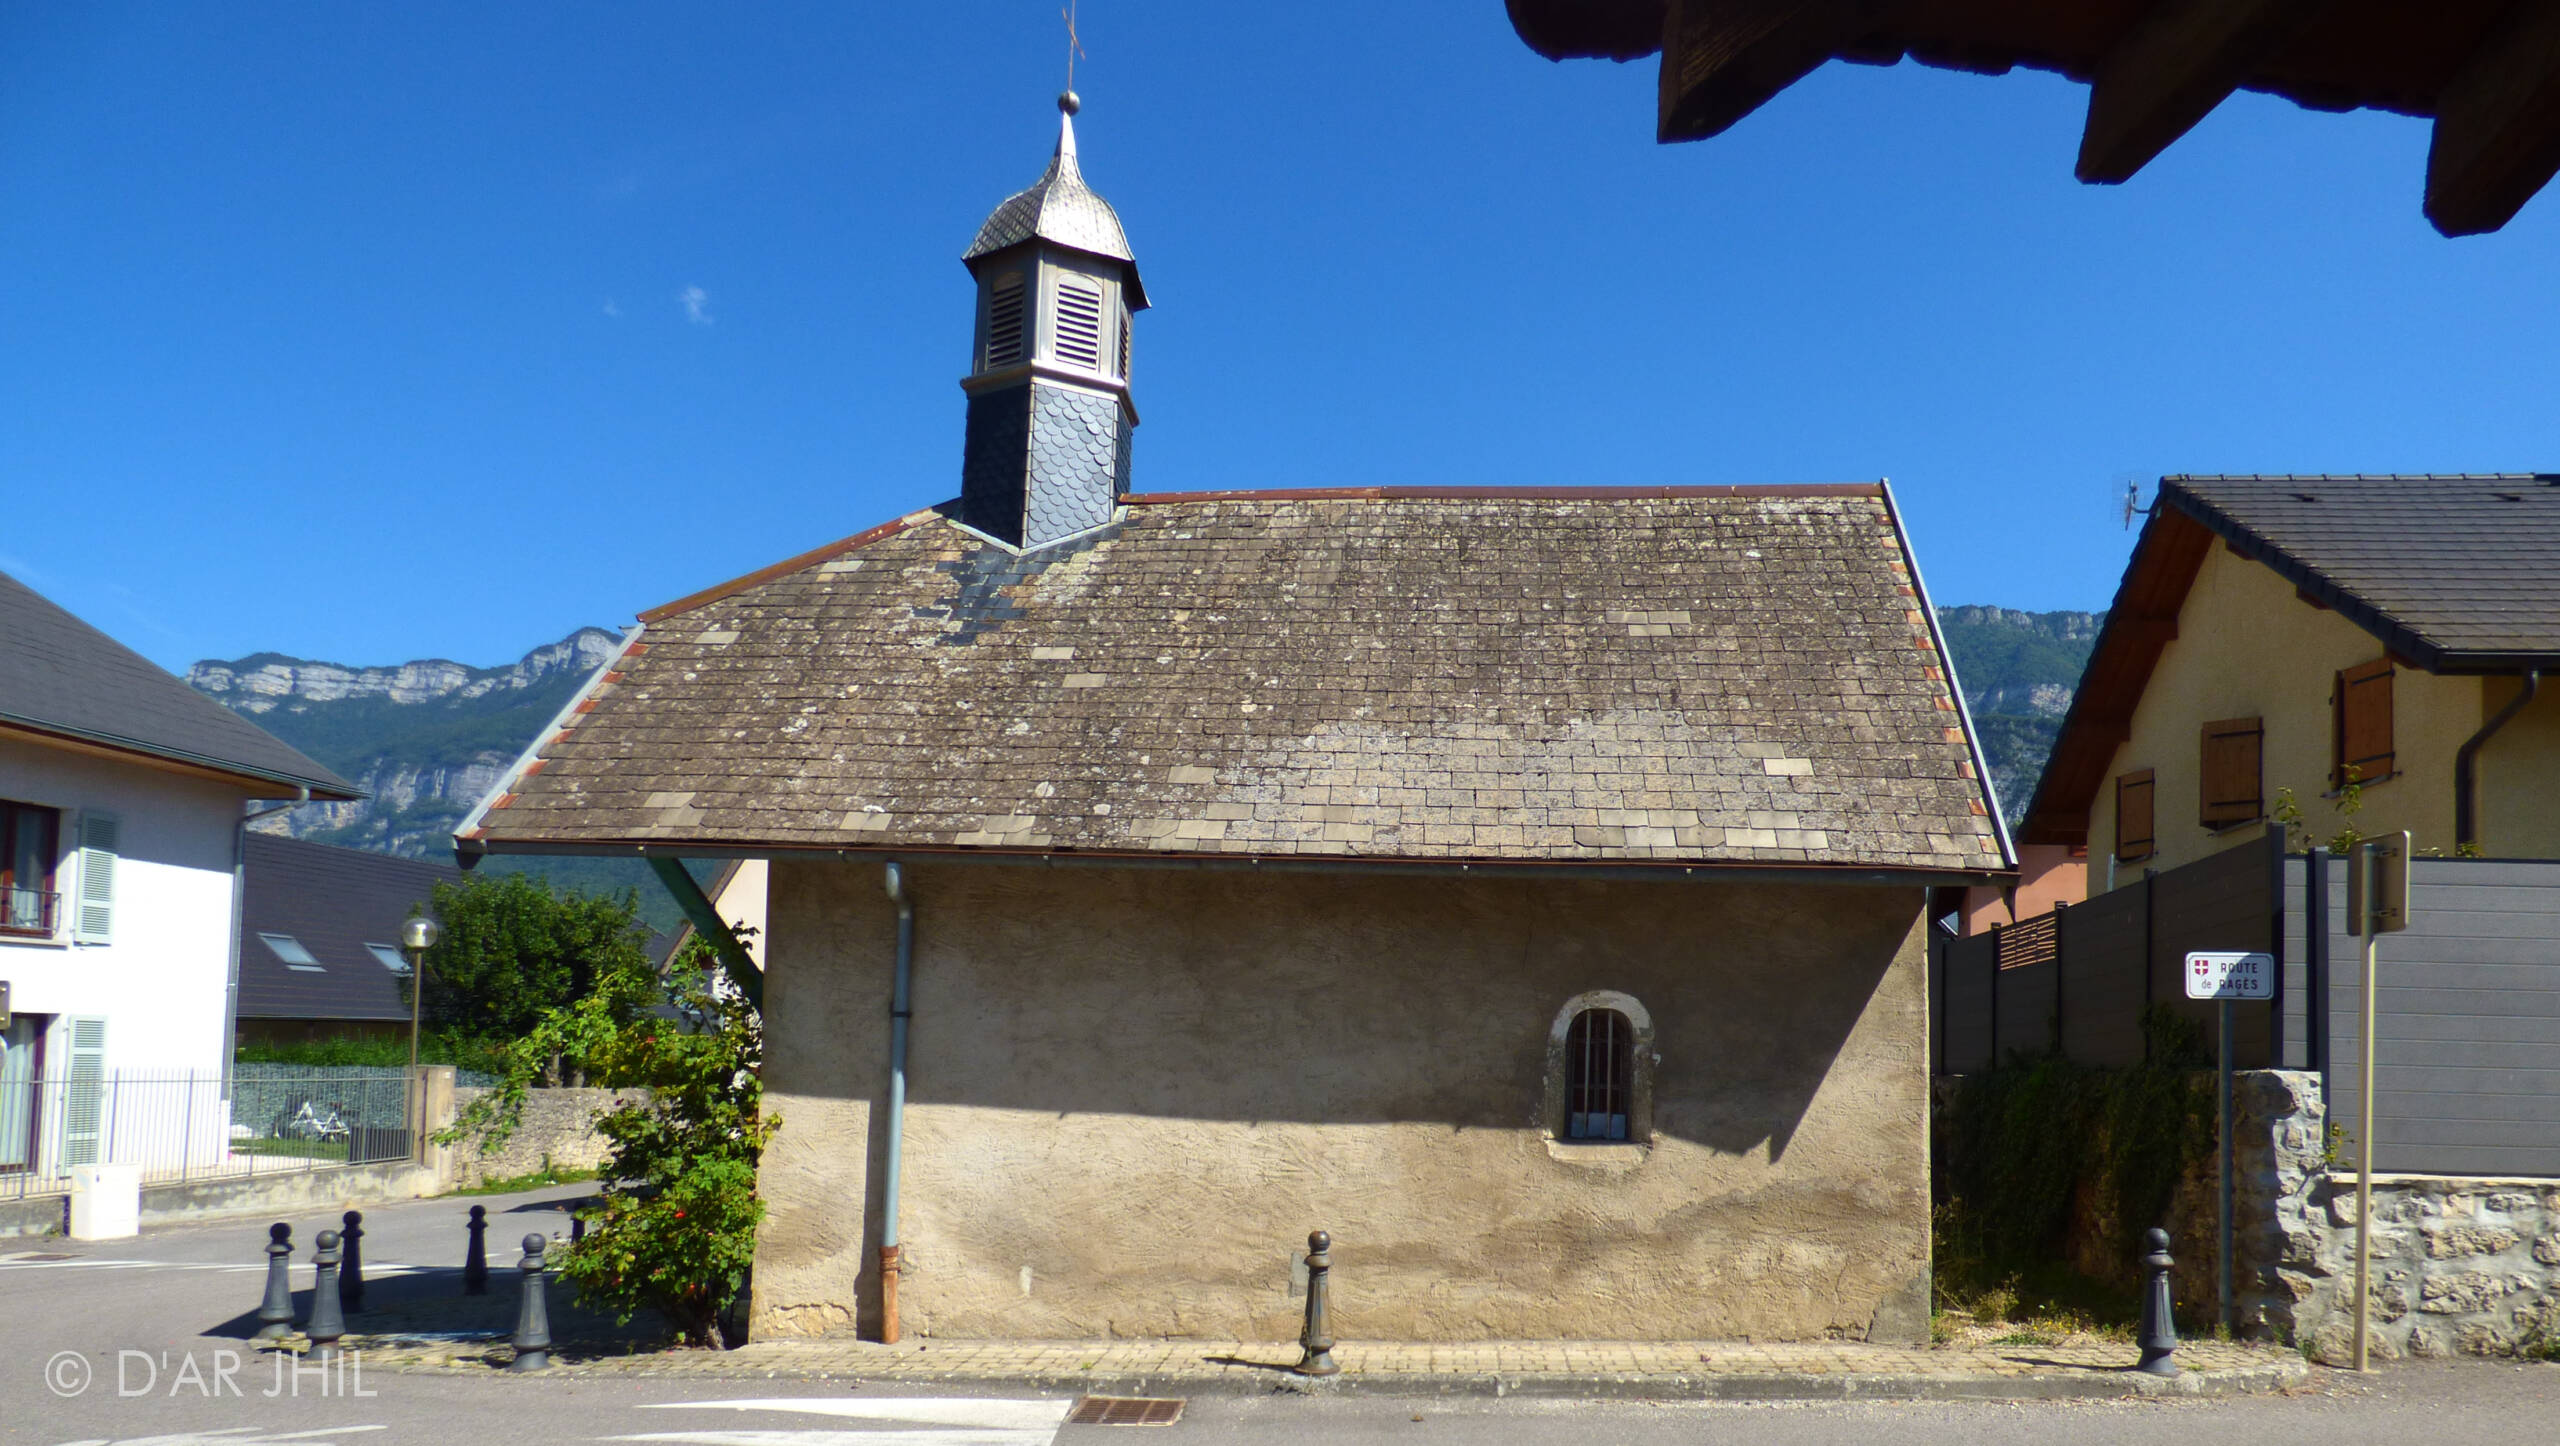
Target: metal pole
pixel 2222 1212
pixel 2371 878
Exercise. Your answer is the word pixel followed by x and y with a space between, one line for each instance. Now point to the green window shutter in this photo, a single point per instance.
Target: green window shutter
pixel 93 918
pixel 84 1094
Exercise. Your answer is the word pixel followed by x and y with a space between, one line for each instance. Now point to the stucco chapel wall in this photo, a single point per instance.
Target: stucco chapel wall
pixel 1133 1092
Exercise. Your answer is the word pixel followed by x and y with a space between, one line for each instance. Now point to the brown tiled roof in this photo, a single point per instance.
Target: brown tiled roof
pixel 1653 675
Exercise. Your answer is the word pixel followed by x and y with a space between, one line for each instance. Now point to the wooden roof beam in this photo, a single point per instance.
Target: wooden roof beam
pixel 2497 135
pixel 1722 59
pixel 2170 70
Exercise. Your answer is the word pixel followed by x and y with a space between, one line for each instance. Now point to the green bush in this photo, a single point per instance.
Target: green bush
pixel 2027 1142
pixel 434 1047
pixel 513 950
pixel 675 1228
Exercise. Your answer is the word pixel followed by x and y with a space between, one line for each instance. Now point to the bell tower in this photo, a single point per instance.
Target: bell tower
pixel 1050 417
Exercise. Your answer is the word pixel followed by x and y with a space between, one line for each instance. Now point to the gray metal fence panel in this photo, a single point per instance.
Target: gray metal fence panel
pixel 1967 1029
pixel 2102 980
pixel 2226 901
pixel 2025 1008
pixel 2467 1023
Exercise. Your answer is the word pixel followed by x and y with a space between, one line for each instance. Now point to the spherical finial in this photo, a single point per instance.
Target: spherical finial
pixel 1319 1241
pixel 279 1232
pixel 533 1244
pixel 1069 102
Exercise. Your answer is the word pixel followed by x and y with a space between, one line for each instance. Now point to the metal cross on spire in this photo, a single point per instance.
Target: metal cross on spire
pixel 1075 45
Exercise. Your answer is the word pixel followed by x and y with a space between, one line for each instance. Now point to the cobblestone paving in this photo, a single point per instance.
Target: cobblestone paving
pixel 2080 1366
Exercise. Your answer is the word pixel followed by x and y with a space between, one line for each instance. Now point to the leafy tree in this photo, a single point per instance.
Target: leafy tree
pixel 675 1231
pixel 512 950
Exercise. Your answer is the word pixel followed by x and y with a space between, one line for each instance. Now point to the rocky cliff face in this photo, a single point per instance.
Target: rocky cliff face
pixel 426 739
pixel 2020 670
pixel 263 681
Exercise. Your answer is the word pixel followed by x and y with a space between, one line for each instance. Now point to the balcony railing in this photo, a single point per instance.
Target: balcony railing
pixel 28 911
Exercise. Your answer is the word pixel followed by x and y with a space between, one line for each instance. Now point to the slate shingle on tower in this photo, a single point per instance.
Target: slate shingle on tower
pixel 1050 417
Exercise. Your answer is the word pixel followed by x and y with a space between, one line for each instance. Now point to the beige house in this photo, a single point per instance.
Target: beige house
pixel 1524 885
pixel 2357 653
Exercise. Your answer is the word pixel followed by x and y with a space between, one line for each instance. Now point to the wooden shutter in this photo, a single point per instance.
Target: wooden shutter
pixel 2229 773
pixel 2133 816
pixel 84 1094
pixel 2363 733
pixel 93 915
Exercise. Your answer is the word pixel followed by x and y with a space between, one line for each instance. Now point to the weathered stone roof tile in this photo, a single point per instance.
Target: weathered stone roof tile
pixel 1711 676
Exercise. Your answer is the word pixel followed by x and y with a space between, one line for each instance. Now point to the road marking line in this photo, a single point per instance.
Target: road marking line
pixel 996 1412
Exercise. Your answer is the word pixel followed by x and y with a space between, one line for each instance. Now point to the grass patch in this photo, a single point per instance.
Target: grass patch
pixel 541 1179
pixel 292 1149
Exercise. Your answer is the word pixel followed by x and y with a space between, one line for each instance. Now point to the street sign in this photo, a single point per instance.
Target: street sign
pixel 2220 975
pixel 2387 905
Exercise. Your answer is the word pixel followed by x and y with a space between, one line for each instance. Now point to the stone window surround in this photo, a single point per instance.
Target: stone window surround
pixel 1639 1141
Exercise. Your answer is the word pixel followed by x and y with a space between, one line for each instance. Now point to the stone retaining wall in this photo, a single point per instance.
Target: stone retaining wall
pixel 2459 1264
pixel 557 1131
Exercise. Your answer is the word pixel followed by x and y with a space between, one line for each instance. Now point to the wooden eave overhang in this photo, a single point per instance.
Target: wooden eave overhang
pixel 2487 71
pixel 2141 622
pixel 469 850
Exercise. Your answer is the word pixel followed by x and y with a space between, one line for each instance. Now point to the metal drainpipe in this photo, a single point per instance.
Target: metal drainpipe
pixel 900 1010
pixel 239 906
pixel 2465 813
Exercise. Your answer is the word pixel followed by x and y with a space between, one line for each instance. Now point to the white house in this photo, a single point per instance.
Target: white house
pixel 124 795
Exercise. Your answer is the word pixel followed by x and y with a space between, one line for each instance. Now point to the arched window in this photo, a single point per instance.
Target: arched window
pixel 1599 1075
pixel 1600 1064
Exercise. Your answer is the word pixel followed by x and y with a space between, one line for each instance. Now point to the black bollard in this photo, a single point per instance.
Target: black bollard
pixel 328 1322
pixel 351 1262
pixel 533 1316
pixel 1317 1338
pixel 577 1228
pixel 275 1313
pixel 475 1261
pixel 2158 1336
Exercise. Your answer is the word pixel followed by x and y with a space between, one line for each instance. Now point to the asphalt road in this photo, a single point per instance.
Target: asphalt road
pixel 169 1297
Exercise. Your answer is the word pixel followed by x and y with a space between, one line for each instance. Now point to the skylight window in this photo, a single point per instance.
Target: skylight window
pixel 391 958
pixel 295 957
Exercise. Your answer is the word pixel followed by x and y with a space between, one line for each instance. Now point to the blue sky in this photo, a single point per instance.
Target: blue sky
pixel 363 333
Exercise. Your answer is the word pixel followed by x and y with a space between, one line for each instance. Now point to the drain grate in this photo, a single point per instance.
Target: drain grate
pixel 1126 1411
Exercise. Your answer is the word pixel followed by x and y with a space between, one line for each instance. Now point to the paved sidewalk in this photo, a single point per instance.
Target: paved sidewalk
pixel 2079 1368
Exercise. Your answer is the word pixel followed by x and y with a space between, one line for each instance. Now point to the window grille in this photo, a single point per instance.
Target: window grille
pixel 1599 1075
pixel 1079 335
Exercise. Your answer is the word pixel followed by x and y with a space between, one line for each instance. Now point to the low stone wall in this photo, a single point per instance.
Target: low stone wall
pixel 557 1131
pixel 2459 1264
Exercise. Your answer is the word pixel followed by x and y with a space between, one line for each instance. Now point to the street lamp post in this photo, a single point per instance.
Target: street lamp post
pixel 416 937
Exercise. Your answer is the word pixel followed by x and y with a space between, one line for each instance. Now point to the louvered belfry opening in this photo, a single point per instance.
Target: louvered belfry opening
pixel 1079 337
pixel 1599 1050
pixel 1004 323
pixel 1046 456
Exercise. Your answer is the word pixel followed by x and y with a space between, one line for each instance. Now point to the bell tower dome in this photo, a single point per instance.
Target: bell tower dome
pixel 1050 417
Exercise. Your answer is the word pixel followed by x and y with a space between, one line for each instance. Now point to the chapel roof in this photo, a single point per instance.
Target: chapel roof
pixel 1655 676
